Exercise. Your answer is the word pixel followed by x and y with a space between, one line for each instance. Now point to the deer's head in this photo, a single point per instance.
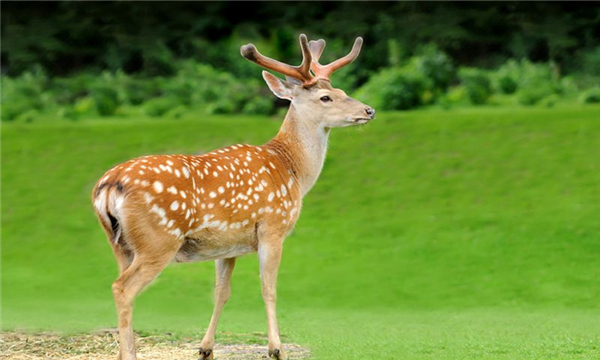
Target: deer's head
pixel 308 86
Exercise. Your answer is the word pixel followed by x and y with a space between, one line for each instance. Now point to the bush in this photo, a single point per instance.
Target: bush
pixel 477 84
pixel 176 113
pixel 22 94
pixel 395 89
pixel 537 82
pixel 135 91
pixel 13 108
pixel 435 65
pixel 66 91
pixel 532 95
pixel 259 105
pixel 106 99
pixel 591 96
pixel 507 77
pixel 531 82
pixel 589 61
pixel 26 117
pixel 158 60
pixel 159 106
pixel 222 106
pixel 549 101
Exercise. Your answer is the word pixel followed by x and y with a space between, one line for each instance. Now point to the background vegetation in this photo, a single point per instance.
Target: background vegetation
pixel 78 60
pixel 462 223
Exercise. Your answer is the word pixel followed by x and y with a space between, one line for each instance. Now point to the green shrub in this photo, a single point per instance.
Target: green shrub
pixel 395 89
pixel 477 84
pixel 13 108
pixel 158 60
pixel 221 106
pixel 549 101
pixel 27 117
pixel 589 61
pixel 136 90
pixel 106 99
pixel 66 91
pixel 159 106
pixel 537 82
pixel 456 95
pixel 259 105
pixel 177 112
pixel 591 96
pixel 507 77
pixel 435 65
pixel 531 82
pixel 24 93
pixel 532 95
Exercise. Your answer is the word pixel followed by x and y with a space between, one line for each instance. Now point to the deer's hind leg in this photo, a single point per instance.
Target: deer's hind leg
pixel 152 251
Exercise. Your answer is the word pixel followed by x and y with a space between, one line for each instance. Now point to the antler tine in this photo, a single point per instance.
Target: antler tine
pixel 325 71
pixel 316 49
pixel 301 72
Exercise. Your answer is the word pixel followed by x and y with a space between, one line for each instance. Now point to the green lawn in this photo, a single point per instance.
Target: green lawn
pixel 469 233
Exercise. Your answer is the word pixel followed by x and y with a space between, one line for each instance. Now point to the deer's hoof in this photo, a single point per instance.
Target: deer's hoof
pixel 277 354
pixel 205 354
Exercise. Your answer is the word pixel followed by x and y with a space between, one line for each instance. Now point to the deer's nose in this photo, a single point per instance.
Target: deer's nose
pixel 370 111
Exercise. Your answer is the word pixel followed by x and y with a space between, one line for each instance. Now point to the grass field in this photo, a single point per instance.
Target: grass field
pixel 462 234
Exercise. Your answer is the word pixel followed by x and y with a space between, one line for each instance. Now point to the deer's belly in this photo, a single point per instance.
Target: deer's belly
pixel 208 245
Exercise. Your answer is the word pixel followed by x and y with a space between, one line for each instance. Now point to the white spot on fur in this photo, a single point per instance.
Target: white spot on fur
pixel 148 197
pixel 158 186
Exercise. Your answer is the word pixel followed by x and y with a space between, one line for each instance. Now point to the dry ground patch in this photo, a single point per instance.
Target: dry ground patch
pixel 103 345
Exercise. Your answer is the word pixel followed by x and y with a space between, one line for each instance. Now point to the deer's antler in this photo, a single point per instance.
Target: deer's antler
pixel 301 72
pixel 325 71
pixel 311 53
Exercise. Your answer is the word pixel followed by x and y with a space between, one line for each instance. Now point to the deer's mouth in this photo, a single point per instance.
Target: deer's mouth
pixel 361 120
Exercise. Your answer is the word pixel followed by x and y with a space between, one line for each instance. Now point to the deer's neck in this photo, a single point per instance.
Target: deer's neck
pixel 301 146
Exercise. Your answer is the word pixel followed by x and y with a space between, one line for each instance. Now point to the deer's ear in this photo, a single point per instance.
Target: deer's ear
pixel 282 89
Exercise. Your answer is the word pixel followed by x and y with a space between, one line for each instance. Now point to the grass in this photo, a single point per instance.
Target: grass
pixel 469 233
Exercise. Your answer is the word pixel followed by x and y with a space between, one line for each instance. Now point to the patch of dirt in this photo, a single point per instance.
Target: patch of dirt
pixel 104 346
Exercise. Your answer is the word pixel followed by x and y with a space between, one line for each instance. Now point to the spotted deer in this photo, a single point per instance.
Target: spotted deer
pixel 226 203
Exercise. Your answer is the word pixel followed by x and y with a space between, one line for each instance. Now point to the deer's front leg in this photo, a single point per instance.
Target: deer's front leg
pixel 269 254
pixel 224 269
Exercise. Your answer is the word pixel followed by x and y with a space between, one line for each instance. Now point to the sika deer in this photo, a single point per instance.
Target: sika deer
pixel 229 202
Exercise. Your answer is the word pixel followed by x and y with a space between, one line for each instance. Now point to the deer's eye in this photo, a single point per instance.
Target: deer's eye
pixel 326 99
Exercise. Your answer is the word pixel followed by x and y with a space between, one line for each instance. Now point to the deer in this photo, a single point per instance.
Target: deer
pixel 229 202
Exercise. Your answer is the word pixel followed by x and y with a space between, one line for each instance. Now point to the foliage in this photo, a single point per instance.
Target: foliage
pixel 588 61
pixel 537 81
pixel 420 82
pixel 397 88
pixel 71 37
pixel 477 84
pixel 507 77
pixel 105 98
pixel 23 94
pixel 591 96
pixel 159 106
pixel 436 66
